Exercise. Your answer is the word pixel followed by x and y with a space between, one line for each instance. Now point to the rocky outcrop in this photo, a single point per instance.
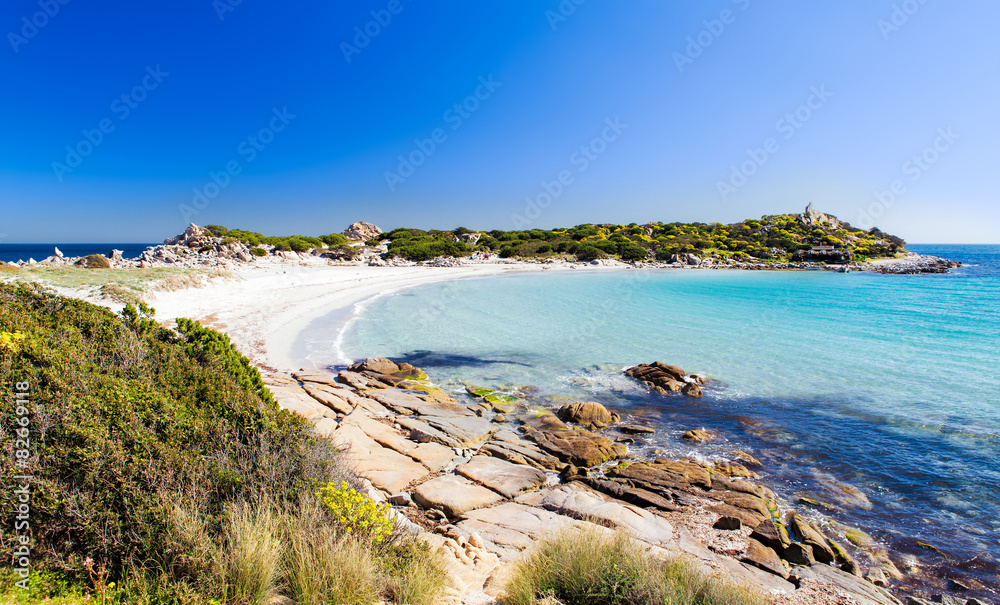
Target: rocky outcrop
pixel 666 379
pixel 488 494
pixel 912 264
pixel 589 413
pixel 362 231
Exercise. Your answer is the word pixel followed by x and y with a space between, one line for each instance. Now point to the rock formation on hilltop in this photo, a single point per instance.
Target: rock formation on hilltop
pixel 362 231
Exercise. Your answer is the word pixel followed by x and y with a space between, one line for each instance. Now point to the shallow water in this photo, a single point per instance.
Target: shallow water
pixel 886 383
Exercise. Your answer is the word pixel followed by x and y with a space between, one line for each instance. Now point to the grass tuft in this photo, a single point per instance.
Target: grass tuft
pixel 596 567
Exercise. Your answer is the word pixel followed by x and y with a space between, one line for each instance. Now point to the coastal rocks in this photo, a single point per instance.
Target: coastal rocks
pixel 580 502
pixel 576 446
pixel 912 264
pixel 379 365
pixel 387 469
pixel 698 435
pixel 861 590
pixel 505 445
pixel 590 414
pixel 692 389
pixel 668 475
pixel 772 535
pixel 362 231
pixel 452 431
pixel 636 429
pixel 665 378
pixel 503 477
pixel 813 537
pixel 454 495
pixel 764 557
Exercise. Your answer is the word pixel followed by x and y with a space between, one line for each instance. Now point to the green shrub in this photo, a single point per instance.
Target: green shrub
pixel 598 567
pixel 589 253
pixel 334 239
pixel 136 418
pixel 258 251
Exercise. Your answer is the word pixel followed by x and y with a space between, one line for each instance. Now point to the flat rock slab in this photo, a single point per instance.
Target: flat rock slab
pixel 510 527
pixel 452 431
pixel 578 501
pixel 454 495
pixel 296 400
pixel 387 469
pixel 865 592
pixel 432 455
pixel 578 447
pixel 409 403
pixel 316 377
pixel 503 477
pixel 523 454
pixel 329 397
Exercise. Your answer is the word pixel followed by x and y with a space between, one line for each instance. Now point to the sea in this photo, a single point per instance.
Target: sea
pixel 871 400
pixel 12 253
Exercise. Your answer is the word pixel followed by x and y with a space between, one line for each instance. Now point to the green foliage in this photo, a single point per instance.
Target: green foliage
pixel 334 239
pixel 137 418
pixel 418 245
pixel 258 252
pixel 591 567
pixel 768 239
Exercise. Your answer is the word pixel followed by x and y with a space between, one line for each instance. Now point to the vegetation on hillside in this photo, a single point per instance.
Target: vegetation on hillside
pixel 295 243
pixel 601 567
pixel 771 238
pixel 164 472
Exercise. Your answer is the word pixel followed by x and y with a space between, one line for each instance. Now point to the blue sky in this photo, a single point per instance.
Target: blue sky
pixel 294 119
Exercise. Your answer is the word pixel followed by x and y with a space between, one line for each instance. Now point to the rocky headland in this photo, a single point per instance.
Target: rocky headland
pixel 198 247
pixel 482 475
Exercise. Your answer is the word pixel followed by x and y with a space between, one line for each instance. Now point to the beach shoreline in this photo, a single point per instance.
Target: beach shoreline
pixel 265 309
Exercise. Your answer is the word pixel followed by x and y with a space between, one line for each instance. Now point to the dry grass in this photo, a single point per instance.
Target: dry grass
pixel 250 560
pixel 590 567
pixel 121 281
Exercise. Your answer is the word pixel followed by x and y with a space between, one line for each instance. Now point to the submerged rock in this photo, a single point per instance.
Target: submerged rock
pixel 698 435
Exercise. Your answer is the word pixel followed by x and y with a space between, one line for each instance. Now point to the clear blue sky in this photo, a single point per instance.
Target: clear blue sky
pixel 184 88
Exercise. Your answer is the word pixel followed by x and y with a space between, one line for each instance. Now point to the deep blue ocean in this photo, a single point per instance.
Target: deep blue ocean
pixel 12 253
pixel 884 383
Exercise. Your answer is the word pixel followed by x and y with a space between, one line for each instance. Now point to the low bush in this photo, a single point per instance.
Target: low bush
pixel 94 261
pixel 600 567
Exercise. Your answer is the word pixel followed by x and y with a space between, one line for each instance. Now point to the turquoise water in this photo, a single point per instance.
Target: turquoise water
pixel 886 383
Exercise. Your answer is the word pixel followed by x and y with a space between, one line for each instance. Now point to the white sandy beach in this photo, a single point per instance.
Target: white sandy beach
pixel 264 309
